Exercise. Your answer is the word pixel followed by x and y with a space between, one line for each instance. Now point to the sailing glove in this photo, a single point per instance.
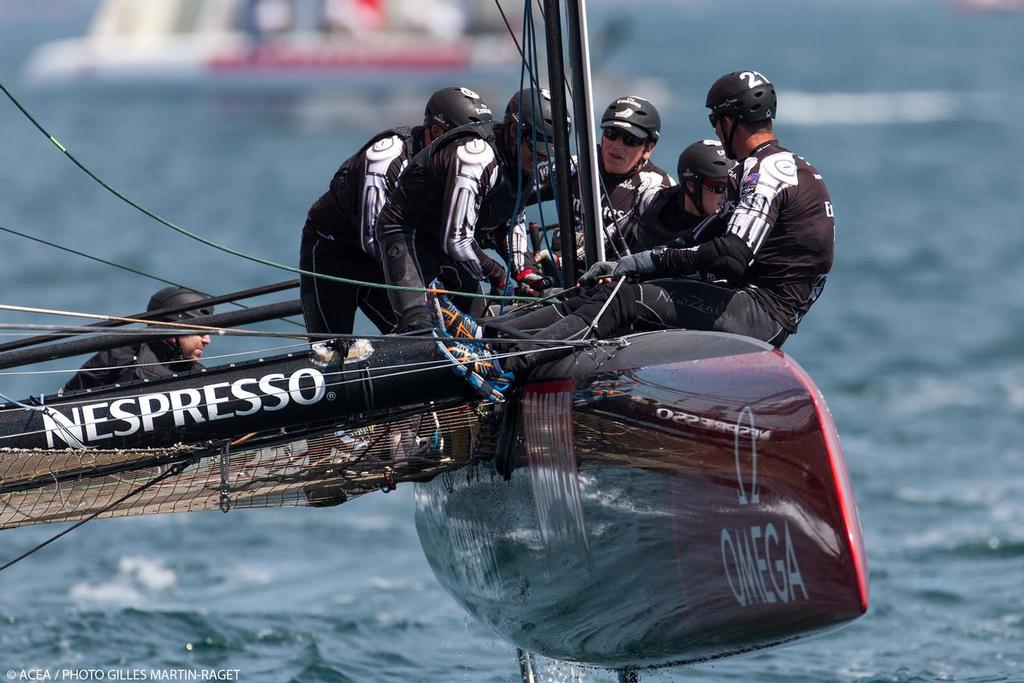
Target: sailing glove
pixel 597 272
pixel 529 283
pixel 633 264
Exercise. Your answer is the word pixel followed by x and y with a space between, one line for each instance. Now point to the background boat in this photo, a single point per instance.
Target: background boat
pixel 277 44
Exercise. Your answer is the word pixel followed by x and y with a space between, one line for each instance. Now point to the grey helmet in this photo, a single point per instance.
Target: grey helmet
pixel 635 115
pixel 704 159
pixel 172 297
pixel 530 110
pixel 746 95
pixel 454 107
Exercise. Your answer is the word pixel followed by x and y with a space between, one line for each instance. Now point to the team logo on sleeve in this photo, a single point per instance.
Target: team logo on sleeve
pixel 749 183
pixel 748 191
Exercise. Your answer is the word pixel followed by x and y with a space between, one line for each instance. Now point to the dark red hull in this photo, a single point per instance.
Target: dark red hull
pixel 661 512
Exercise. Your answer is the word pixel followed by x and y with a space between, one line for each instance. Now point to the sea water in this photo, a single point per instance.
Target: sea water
pixel 912 111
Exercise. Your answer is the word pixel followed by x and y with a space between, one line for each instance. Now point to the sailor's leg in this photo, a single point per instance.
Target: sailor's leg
pixel 456 279
pixel 696 305
pixel 601 313
pixel 535 319
pixel 376 305
pixel 539 317
pixel 328 307
pixel 374 301
pixel 407 263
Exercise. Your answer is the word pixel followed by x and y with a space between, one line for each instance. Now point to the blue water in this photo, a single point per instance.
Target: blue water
pixel 914 343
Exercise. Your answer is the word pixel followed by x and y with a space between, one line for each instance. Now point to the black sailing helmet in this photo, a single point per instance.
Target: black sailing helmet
pixel 635 115
pixel 171 297
pixel 703 159
pixel 748 96
pixel 454 107
pixel 530 110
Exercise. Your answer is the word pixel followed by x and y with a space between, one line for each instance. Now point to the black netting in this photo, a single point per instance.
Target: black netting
pixel 319 467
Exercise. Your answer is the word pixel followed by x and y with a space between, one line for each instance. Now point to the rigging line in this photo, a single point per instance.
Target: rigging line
pixel 98 259
pixel 174 470
pixel 86 331
pixel 597 318
pixel 159 326
pixel 255 354
pixel 512 35
pixel 226 249
pixel 118 265
pixel 232 332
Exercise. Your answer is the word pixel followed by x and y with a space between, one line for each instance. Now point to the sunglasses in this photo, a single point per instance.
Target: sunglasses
pixel 619 134
pixel 716 186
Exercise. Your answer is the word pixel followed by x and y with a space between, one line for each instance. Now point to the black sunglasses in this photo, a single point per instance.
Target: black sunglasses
pixel 619 134
pixel 715 186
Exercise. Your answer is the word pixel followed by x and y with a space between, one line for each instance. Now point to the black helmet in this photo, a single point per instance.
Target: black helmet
pixel 454 107
pixel 531 110
pixel 172 297
pixel 746 95
pixel 635 115
pixel 704 159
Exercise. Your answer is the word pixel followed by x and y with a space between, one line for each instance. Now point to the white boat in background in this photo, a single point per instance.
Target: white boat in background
pixel 278 43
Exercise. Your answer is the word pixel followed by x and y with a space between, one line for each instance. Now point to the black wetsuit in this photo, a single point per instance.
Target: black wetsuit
pixel 427 228
pixel 151 360
pixel 665 222
pixel 758 277
pixel 625 199
pixel 339 237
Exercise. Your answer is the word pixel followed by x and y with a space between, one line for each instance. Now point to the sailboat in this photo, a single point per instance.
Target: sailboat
pixel 280 44
pixel 650 500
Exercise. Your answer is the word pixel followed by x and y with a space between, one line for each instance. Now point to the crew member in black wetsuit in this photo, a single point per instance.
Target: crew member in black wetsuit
pixel 153 359
pixel 675 213
pixel 758 277
pixel 631 127
pixel 339 237
pixel 467 180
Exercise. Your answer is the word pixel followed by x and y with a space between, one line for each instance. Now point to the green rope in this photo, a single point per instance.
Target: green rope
pixel 221 247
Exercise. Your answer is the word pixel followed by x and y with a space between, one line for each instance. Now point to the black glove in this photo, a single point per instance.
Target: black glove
pixel 597 272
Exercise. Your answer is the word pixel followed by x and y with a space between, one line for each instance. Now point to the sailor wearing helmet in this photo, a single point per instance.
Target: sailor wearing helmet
pixel 676 215
pixel 339 237
pixel 153 359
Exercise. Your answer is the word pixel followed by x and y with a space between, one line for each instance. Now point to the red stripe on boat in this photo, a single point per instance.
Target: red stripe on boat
pixel 841 476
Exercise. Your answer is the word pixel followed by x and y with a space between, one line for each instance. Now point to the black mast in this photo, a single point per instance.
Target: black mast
pixel 556 69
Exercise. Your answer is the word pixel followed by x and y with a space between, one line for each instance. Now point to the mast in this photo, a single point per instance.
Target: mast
pixel 560 113
pixel 583 112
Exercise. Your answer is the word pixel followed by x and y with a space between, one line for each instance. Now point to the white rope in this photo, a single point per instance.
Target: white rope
pixel 600 313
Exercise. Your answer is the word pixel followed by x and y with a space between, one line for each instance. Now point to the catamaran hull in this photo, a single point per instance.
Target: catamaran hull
pixel 670 512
